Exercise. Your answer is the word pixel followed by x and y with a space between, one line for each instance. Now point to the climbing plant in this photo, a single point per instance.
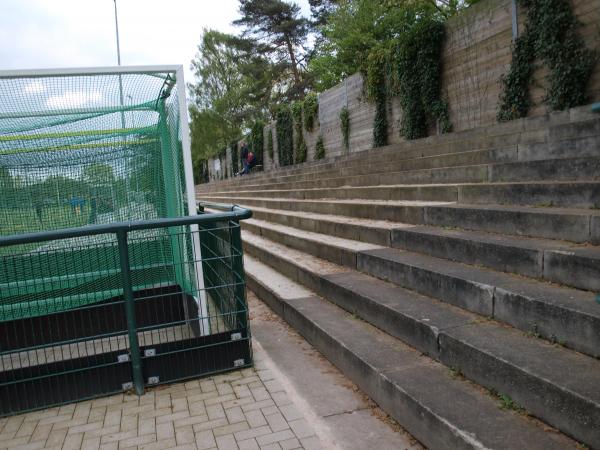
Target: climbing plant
pixel 257 141
pixel 320 148
pixel 270 144
pixel 311 110
pixel 285 128
pixel 416 79
pixel 345 126
pixel 299 144
pixel 550 35
pixel 376 87
pixel 235 158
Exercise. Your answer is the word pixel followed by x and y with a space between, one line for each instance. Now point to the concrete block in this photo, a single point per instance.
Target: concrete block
pixel 572 169
pixel 404 270
pixel 579 268
pixel 498 253
pixel 513 221
pixel 530 372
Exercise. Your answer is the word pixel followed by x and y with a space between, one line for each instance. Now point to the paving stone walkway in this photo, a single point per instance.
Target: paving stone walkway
pixel 246 409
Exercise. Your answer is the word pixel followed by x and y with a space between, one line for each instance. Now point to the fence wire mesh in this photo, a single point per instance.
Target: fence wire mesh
pixel 146 301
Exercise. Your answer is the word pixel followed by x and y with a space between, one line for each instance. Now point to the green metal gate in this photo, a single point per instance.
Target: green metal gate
pixel 120 306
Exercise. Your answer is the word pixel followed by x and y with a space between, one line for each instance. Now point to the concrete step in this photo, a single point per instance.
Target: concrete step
pixel 563 263
pixel 539 139
pixel 441 410
pixel 577 169
pixel 559 314
pixel 561 194
pixel 575 225
pixel 530 371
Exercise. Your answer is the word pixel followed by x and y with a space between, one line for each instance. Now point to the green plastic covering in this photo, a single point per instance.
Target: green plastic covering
pixel 77 150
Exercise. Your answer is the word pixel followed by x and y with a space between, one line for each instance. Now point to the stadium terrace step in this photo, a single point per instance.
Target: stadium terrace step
pixel 535 139
pixel 476 249
pixel 577 169
pixel 560 194
pixel 549 260
pixel 559 314
pixel 445 412
pixel 526 369
pixel 575 225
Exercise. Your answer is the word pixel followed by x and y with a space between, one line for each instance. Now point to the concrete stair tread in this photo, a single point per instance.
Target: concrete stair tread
pixel 247 192
pixel 309 262
pixel 347 244
pixel 392 373
pixel 384 224
pixel 495 347
pixel 544 308
pixel 417 203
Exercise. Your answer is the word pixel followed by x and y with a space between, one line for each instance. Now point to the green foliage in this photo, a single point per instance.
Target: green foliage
pixel 301 151
pixel 98 174
pixel 320 148
pixel 311 111
pixel 276 28
pixel 377 91
pixel 285 131
pixel 417 78
pixel 354 27
pixel 550 34
pixel 235 157
pixel 257 141
pixel 270 145
pixel 231 89
pixel 299 144
pixel 345 126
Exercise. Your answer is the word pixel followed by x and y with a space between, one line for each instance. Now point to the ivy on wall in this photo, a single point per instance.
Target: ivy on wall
pixel 320 148
pixel 377 91
pixel 345 126
pixel 551 35
pixel 285 131
pixel 257 141
pixel 270 144
pixel 311 111
pixel 416 81
pixel 235 158
pixel 299 144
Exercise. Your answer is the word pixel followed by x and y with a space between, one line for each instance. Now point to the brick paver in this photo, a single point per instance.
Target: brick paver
pixel 245 409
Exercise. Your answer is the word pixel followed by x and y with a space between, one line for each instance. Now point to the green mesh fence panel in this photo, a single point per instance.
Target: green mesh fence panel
pixel 79 150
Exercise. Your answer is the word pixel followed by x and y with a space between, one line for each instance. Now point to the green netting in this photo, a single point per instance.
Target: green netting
pixel 78 150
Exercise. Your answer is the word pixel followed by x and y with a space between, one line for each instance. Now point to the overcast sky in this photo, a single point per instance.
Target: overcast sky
pixel 78 33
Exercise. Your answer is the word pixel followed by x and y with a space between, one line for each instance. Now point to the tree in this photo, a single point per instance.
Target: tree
pixel 232 89
pixel 98 174
pixel 277 29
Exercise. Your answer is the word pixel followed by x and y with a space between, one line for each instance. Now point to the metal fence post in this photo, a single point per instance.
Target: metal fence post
pixel 134 347
pixel 237 265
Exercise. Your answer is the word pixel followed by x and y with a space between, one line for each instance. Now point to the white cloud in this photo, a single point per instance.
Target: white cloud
pixel 73 99
pixel 79 33
pixel 35 87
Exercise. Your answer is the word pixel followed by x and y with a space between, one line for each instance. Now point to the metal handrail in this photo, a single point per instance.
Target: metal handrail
pixel 234 213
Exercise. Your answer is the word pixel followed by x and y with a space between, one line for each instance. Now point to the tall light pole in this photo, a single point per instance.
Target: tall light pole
pixel 117 32
pixel 119 63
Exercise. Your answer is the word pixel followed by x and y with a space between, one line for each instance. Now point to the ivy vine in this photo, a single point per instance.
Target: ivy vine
pixel 320 148
pixel 299 144
pixel 311 110
pixel 285 131
pixel 377 91
pixel 417 60
pixel 257 141
pixel 234 156
pixel 550 35
pixel 270 145
pixel 345 126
